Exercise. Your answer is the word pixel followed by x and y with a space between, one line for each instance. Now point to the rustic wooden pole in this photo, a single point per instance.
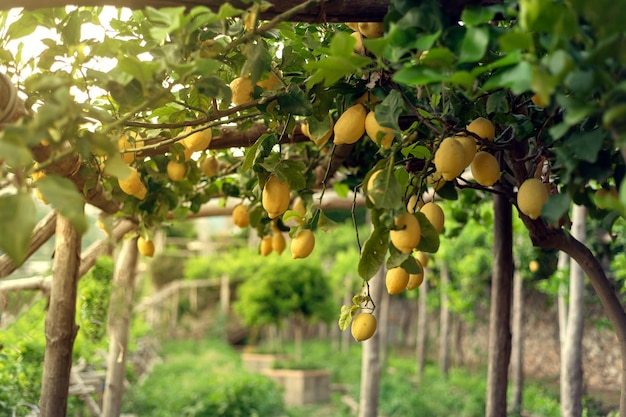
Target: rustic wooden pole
pixel 60 326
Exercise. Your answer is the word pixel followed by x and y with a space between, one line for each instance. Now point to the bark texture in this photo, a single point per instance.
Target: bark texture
pixel 571 349
pixel 500 313
pixel 118 324
pixel 60 325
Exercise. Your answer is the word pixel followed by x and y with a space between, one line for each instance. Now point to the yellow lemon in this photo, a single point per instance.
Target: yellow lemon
pixel 469 147
pixel 435 180
pixel 415 280
pixel 299 207
pixel 408 235
pixel 485 169
pixel 533 266
pixel 125 142
pixel 602 196
pixel 266 245
pixel 353 25
pixel 351 125
pixel 370 186
pixel 198 141
pixel 176 171
pixel 358 45
pixel 278 242
pixel 242 89
pixel 537 101
pixel 145 247
pixel 367 98
pixel 271 83
pixel 422 257
pixel 396 280
pixel 363 326
pixel 531 197
pixel 414 203
pixel 241 216
pixel 374 129
pixel 371 29
pixel 132 184
pixel 434 214
pixel 209 167
pixel 318 141
pixel 450 158
pixel 483 128
pixel 302 244
pixel 275 197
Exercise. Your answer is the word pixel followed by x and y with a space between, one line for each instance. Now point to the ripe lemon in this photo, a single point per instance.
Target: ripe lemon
pixel 145 247
pixel 414 203
pixel 396 280
pixel 318 141
pixel 602 196
pixel 435 180
pixel 537 101
pixel 132 184
pixel 409 234
pixel 210 167
pixel 363 326
pixel 469 147
pixel 367 98
pixel 353 25
pixel 278 242
pixel 266 245
pixel 358 45
pixel 241 216
pixel 371 29
pixel 450 158
pixel 351 125
pixel 176 171
pixel 415 280
pixel 124 142
pixel 198 141
pixel 434 214
pixel 533 266
pixel 422 257
pixel 302 244
pixel 242 89
pixel 485 169
pixel 275 197
pixel 271 82
pixel 372 127
pixel 483 128
pixel 531 197
pixel 299 207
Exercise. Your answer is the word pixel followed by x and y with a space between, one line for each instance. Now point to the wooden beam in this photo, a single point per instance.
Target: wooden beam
pixel 333 11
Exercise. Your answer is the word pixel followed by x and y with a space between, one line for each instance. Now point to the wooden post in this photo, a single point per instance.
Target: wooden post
pixel 61 327
pixel 118 324
pixel 193 298
pixel 224 294
pixel 422 329
pixel 174 310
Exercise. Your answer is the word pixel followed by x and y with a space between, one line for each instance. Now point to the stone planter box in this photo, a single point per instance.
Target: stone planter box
pixel 302 386
pixel 258 362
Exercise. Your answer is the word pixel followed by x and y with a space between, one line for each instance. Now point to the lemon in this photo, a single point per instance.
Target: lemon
pixel 533 266
pixel 537 101
pixel 469 147
pixel 271 83
pixel 275 197
pixel 485 169
pixel 370 186
pixel 132 184
pixel 434 214
pixel 198 141
pixel 240 216
pixel 422 257
pixel 318 141
pixel 483 128
pixel 353 25
pixel 363 326
pixel 358 45
pixel 176 171
pixel 145 247
pixel 602 196
pixel 124 143
pixel 373 129
pixel 415 280
pixel 435 180
pixel 414 203
pixel 299 207
pixel 351 125
pixel 367 98
pixel 242 89
pixel 450 158
pixel 396 280
pixel 209 167
pixel 278 242
pixel 409 234
pixel 266 245
pixel 531 197
pixel 371 29
pixel 302 244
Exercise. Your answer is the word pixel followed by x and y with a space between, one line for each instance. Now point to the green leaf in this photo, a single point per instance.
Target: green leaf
pixel 556 206
pixel 516 78
pixel 472 16
pixel 63 196
pixel 291 172
pixel 474 44
pixel 24 26
pixel 411 266
pixel 389 110
pixel 416 150
pixel 373 253
pixel 13 149
pixel 396 257
pixel 543 83
pixel 345 316
pixel 294 101
pixel 586 145
pixel 418 75
pixel 325 223
pixel 386 191
pixel 462 78
pixel 429 241
pixel 17 221
pixel 341 189
pixel 514 40
pixel 116 167
pixel 258 61
pixel 437 57
pixel 498 102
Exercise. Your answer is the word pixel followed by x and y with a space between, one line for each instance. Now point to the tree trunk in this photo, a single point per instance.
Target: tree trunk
pixel 422 329
pixel 562 298
pixel 571 350
pixel 444 322
pixel 383 306
pixel 61 327
pixel 500 314
pixel 118 324
pixel 517 348
pixel 370 361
